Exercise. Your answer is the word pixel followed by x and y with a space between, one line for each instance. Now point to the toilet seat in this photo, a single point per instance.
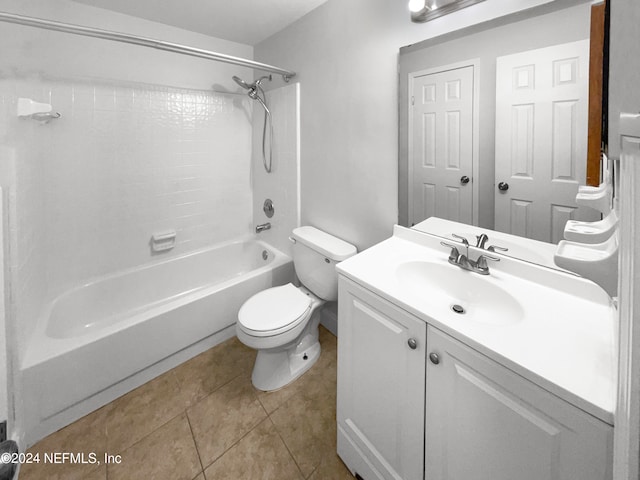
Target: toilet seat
pixel 274 311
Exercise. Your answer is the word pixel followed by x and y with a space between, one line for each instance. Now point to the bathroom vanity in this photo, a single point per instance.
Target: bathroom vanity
pixel 446 374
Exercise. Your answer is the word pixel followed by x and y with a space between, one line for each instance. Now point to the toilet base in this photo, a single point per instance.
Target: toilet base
pixel 277 368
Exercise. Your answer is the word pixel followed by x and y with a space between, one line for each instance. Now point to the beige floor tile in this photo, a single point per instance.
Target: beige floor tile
pixel 260 455
pixel 308 429
pixel 138 413
pixel 331 468
pixel 222 418
pixel 168 453
pixel 98 474
pixel 307 424
pixel 272 400
pixel 210 370
pixel 87 435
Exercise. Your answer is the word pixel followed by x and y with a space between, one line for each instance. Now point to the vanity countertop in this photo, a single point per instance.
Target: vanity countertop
pixel 562 336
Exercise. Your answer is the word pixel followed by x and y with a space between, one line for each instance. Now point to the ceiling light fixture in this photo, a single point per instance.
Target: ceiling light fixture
pixel 416 6
pixel 425 10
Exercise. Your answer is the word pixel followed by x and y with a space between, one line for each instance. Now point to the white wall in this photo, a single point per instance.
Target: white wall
pixel 282 185
pixel 346 56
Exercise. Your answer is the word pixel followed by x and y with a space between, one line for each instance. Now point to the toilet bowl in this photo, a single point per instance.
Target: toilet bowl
pixel 282 322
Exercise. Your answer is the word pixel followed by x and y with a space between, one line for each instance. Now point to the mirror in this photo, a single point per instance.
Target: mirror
pixel 493 123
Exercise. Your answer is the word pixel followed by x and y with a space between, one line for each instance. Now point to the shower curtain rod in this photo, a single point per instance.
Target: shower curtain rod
pixel 142 41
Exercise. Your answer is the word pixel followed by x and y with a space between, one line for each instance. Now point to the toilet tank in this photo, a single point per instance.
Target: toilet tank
pixel 315 255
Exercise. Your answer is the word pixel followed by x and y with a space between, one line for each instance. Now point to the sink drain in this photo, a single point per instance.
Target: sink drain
pixel 458 309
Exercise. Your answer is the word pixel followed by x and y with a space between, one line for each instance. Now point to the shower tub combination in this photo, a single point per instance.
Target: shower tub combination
pixel 97 341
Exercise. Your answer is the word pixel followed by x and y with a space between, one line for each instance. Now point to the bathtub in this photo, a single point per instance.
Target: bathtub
pixel 97 335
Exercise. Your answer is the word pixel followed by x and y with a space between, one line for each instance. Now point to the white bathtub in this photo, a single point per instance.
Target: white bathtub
pixel 99 334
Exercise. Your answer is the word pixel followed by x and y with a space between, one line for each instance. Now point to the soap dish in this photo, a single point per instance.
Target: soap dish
pixel 597 262
pixel 591 232
pixel 598 198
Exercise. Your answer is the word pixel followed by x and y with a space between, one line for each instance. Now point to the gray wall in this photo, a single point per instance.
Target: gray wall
pixel 493 40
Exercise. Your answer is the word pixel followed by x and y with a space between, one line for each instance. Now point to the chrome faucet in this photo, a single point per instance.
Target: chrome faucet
pixel 482 240
pixel 262 227
pixel 462 260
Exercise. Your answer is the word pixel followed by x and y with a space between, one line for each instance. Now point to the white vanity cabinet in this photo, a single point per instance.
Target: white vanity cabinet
pixel 484 422
pixel 381 381
pixel 444 411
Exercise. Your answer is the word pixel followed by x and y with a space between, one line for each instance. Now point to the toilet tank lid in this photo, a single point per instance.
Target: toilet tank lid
pixel 325 244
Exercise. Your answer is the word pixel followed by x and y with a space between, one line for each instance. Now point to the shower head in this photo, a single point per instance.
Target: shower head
pixel 259 81
pixel 253 85
pixel 241 82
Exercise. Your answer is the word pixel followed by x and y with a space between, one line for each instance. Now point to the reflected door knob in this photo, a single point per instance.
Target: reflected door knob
pixel 503 186
pixel 435 359
pixel 413 344
pixel 464 180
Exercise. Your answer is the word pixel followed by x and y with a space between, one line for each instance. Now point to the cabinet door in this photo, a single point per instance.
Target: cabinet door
pixel 484 422
pixel 380 386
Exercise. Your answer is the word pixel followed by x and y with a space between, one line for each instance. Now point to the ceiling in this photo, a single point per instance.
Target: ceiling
pixel 243 21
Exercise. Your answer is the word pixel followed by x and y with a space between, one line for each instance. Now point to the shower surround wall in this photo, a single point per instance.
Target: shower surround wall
pixel 282 185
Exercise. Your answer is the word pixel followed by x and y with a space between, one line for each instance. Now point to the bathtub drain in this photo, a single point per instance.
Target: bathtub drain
pixel 265 254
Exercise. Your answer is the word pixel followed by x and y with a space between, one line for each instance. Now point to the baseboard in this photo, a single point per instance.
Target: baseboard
pixel 329 318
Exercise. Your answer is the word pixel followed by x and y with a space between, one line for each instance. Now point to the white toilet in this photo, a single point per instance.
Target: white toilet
pixel 282 322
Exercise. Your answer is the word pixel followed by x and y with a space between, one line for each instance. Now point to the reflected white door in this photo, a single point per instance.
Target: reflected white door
pixel 541 140
pixel 441 146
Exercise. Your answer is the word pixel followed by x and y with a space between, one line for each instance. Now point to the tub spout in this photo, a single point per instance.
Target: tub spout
pixel 262 227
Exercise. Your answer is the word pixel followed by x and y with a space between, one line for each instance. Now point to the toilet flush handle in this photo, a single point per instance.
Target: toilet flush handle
pixel 292 240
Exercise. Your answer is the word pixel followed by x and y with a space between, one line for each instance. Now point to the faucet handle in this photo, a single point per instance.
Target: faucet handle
pixel 495 248
pixel 454 250
pixel 464 241
pixel 481 263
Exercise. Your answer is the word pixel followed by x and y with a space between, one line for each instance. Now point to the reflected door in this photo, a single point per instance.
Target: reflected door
pixel 441 146
pixel 541 140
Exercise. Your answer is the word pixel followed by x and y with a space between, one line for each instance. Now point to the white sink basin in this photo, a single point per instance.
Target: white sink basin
pixel 464 294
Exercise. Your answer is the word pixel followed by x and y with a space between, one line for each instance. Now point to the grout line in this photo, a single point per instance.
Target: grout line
pixel 151 432
pixel 195 443
pixel 288 450
pixel 238 441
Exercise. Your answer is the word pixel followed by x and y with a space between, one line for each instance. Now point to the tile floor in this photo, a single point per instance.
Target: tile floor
pixel 203 420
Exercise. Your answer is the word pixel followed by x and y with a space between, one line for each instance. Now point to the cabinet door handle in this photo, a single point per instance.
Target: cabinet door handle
pixel 413 344
pixel 435 359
